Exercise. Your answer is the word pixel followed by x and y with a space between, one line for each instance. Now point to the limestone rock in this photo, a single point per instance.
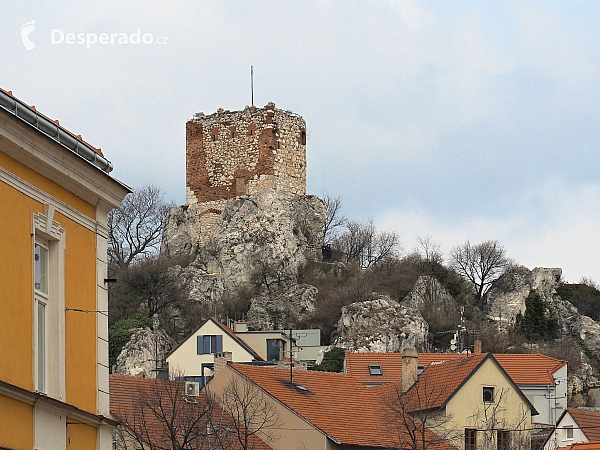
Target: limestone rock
pixel 427 292
pixel 380 324
pixel 507 297
pixel 145 351
pixel 279 310
pixel 261 239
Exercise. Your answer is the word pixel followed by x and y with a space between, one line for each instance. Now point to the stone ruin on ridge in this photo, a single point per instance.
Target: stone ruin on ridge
pixel 241 153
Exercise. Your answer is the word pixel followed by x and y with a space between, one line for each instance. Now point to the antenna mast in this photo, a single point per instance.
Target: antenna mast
pixel 252 83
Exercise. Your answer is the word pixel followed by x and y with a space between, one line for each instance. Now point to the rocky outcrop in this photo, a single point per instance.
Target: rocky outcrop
pixel 144 353
pixel 507 297
pixel 380 324
pixel 258 241
pixel 428 292
pixel 280 310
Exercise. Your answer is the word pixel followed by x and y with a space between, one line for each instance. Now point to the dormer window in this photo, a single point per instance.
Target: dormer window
pixel 375 370
pixel 488 394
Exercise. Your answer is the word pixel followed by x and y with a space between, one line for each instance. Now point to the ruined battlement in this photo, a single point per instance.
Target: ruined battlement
pixel 235 153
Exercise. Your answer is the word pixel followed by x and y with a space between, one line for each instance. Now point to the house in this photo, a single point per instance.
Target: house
pixel 274 345
pixel 313 409
pixel 194 358
pixel 55 192
pixel 574 426
pixel 471 401
pixel 153 413
pixel 541 378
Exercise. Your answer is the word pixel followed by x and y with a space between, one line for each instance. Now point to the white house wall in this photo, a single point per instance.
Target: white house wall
pixel 559 437
pixel 185 361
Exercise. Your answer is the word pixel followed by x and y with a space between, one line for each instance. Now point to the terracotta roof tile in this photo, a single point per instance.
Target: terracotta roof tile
pixel 582 446
pixel 337 404
pixel 127 394
pixel 522 368
pixel 587 421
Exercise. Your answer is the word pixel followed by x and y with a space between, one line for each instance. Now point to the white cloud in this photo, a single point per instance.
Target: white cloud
pixel 553 226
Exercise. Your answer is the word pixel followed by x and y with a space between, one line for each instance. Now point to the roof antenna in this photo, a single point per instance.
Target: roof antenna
pixel 252 83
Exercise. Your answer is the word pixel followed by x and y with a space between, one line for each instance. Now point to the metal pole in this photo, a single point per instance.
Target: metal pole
pixel 291 363
pixel 252 83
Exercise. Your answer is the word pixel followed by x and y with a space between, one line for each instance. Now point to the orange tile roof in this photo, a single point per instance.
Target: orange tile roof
pixel 334 403
pixel 128 394
pixel 530 369
pixel 582 446
pixel 438 383
pixel 587 421
pixel 522 368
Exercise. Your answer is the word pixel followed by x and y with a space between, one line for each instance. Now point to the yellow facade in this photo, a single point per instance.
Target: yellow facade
pixel 51 195
pixel 509 410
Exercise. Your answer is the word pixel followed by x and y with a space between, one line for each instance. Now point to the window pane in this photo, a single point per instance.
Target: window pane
pixel 41 269
pixel 41 347
pixel 207 348
pixel 273 349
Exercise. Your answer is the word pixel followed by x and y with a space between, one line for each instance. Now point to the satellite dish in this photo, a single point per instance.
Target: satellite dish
pixel 453 347
pixel 453 341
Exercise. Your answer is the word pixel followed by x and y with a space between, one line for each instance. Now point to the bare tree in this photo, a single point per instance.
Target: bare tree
pixel 496 430
pixel 429 250
pixel 480 264
pixel 135 228
pixel 419 423
pixel 254 414
pixel 150 284
pixel 161 417
pixel 335 219
pixel 367 246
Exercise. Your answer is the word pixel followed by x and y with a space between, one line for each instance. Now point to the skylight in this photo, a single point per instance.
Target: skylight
pixel 301 388
pixel 375 370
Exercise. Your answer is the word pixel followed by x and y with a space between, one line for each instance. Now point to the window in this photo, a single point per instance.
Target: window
pixel 502 440
pixel 375 370
pixel 48 247
pixel 569 432
pixel 274 349
pixel 488 394
pixel 470 439
pixel 40 283
pixel 209 343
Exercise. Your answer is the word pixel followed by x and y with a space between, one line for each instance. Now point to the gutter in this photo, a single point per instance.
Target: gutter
pixel 54 131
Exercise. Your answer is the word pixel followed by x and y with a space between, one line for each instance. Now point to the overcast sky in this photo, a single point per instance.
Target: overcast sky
pixel 459 120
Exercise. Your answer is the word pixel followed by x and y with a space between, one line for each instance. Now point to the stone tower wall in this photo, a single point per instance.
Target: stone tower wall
pixel 230 154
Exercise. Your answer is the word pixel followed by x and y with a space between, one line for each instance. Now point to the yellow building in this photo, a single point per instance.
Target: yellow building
pixel 55 193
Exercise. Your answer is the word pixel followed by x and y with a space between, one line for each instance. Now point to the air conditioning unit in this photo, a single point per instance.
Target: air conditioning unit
pixel 191 389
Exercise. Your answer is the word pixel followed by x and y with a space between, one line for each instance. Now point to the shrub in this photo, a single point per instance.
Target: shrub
pixel 333 361
pixel 120 333
pixel 539 320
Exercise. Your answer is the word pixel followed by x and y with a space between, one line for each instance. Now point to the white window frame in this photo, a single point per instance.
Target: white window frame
pixel 568 428
pixel 50 235
pixel 41 299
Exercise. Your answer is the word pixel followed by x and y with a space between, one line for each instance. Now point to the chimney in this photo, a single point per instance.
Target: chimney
pixel 409 368
pixel 477 345
pixel 221 360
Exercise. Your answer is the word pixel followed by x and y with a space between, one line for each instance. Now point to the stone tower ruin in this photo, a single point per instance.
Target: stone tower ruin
pixel 236 153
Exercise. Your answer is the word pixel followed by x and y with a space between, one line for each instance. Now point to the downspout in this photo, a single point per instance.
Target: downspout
pixel 550 415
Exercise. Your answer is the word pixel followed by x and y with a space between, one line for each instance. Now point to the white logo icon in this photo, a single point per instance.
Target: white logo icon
pixel 26 30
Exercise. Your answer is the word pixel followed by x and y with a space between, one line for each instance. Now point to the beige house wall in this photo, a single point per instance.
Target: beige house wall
pixel 258 341
pixel 293 431
pixel 467 409
pixel 185 361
